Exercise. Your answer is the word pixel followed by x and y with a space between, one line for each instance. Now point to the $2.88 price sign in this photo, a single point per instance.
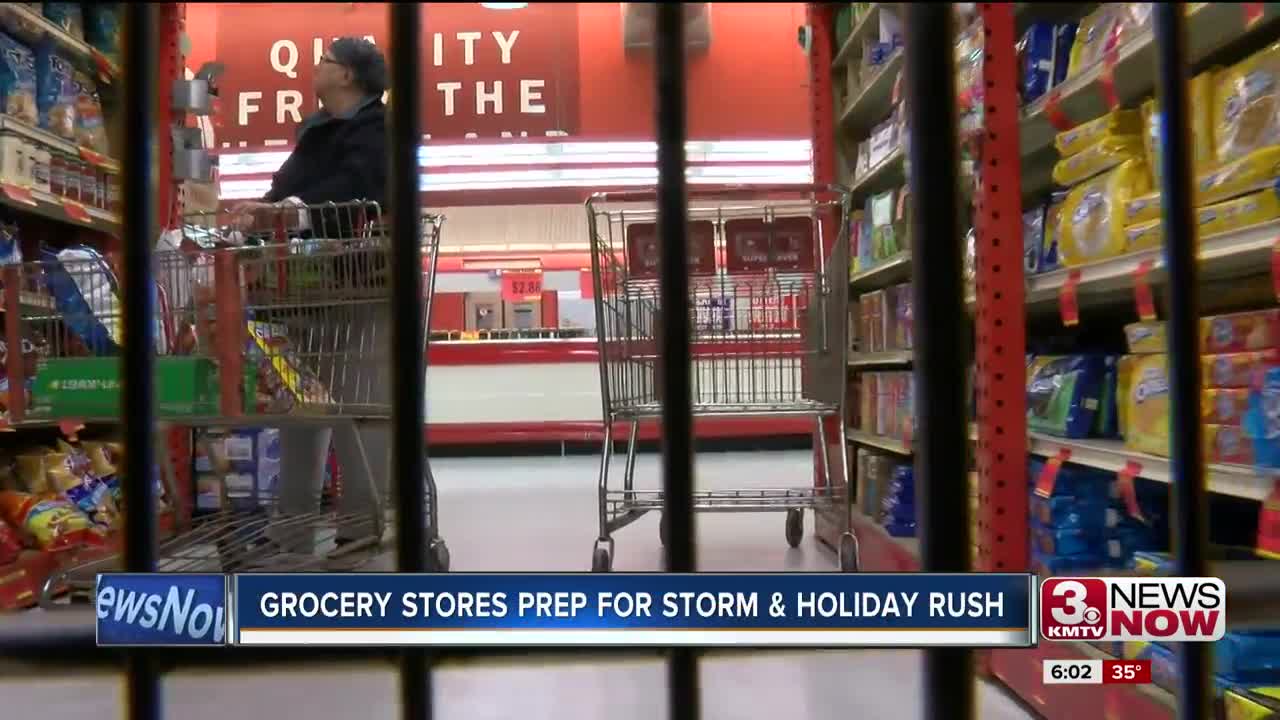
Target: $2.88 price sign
pixel 521 286
pixel 1097 672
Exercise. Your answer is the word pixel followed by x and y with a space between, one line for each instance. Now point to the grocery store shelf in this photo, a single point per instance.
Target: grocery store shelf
pixel 56 208
pixel 885 175
pixel 1210 28
pixel 888 359
pixel 1111 455
pixel 868 25
pixel 31 27
pixel 1229 254
pixel 883 274
pixel 874 102
pixel 891 445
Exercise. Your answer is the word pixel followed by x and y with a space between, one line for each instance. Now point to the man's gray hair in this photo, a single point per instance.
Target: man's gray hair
pixel 364 60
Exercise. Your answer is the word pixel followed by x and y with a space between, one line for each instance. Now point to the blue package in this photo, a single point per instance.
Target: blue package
pixel 1076 541
pixel 1084 483
pixel 1035 60
pixel 1067 512
pixel 1032 239
pixel 1047 565
pixel 85 292
pixel 67 16
pixel 18 80
pixel 1063 394
pixel 1064 38
pixel 1262 419
pixel 1248 656
pixel 102 28
pixel 56 91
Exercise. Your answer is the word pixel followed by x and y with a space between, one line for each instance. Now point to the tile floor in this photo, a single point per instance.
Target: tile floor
pixel 539 514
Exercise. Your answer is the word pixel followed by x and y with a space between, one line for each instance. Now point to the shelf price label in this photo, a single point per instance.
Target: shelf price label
pixel 1107 79
pixel 1252 14
pixel 76 212
pixel 1142 296
pixel 1068 305
pixel 521 286
pixel 1053 112
pixel 1128 490
pixel 1049 475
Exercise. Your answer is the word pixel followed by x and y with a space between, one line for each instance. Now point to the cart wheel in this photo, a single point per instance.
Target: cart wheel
pixel 438 556
pixel 601 562
pixel 848 553
pixel 795 527
pixel 662 529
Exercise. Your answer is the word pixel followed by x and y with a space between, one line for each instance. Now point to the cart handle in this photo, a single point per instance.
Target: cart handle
pixel 726 192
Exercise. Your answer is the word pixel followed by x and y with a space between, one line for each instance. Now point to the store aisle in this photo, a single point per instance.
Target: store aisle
pixel 539 514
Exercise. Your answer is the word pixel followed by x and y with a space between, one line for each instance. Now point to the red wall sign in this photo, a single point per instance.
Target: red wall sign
pixel 785 245
pixel 485 73
pixel 521 286
pixel 643 254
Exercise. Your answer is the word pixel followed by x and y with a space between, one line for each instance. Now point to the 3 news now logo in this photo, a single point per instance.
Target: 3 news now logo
pixel 1139 609
pixel 161 609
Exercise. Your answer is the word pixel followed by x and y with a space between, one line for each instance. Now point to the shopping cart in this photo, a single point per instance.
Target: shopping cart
pixel 768 336
pixel 278 320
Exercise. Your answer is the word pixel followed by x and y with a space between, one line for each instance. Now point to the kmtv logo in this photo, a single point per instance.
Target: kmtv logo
pixel 1140 609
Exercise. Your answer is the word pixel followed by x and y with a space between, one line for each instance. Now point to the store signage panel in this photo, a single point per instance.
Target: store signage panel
pixel 521 286
pixel 643 255
pixel 785 244
pixel 486 74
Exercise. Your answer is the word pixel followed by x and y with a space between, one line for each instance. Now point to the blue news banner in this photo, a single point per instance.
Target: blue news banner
pixel 712 609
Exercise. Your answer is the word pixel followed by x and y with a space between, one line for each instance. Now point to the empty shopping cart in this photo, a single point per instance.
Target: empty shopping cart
pixel 767 275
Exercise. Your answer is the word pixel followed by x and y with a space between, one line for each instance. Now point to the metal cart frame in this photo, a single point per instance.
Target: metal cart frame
pixel 768 336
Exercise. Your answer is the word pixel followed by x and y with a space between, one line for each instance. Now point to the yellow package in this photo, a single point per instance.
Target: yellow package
pixel 1092 224
pixel 1204 152
pixel 1146 402
pixel 1098 157
pixel 1251 703
pixel 1143 208
pixel 1246 109
pixel 1145 338
pixel 1117 123
pixel 1242 212
pixel 1239 177
pixel 1107 28
pixel 1144 236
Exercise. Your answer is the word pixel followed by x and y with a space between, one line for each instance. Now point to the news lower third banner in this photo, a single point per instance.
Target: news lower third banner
pixel 702 610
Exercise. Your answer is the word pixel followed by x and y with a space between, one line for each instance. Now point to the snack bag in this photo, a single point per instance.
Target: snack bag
pixel 1105 29
pixel 1246 110
pixel 52 522
pixel 1092 221
pixel 89 129
pixel 1146 403
pixel 1098 157
pixel 1064 393
pixel 18 80
pixel 1145 338
pixel 1251 173
pixel 10 544
pixel 274 355
pixel 1115 124
pixel 56 92
pixel 88 490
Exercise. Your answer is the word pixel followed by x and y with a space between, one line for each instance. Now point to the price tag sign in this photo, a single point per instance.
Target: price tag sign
pixel 521 286
pixel 1049 475
pixel 1053 112
pixel 1142 291
pixel 1068 305
pixel 1128 491
pixel 1252 14
pixel 76 211
pixel 18 194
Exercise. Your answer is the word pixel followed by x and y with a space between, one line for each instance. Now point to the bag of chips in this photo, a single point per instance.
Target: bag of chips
pixel 90 130
pixel 53 522
pixel 56 92
pixel 18 80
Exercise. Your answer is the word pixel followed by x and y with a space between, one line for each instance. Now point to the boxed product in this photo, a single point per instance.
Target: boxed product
pixel 1067 512
pixel 1033 237
pixel 1114 125
pixel 1145 338
pixel 1235 370
pixel 1064 393
pixel 904 323
pixel 1240 332
pixel 1043 54
pixel 872 308
pixel 1245 115
pixel 1052 233
pixel 1144 236
pixel 1252 209
pixel 1105 29
pixel 1092 220
pixel 1073 541
pixel 56 92
pixel 1204 152
pixel 1224 407
pixel 1262 423
pixel 869 397
pixel 887 224
pixel 18 80
pixel 90 387
pixel 1145 403
pixel 1143 209
pixel 1253 172
pixel 1227 444
pixel 1099 157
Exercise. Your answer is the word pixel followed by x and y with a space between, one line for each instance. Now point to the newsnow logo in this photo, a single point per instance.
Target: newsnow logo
pixel 161 609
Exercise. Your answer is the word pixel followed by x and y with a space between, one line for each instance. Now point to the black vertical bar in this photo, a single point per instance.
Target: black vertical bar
pixel 677 411
pixel 141 88
pixel 941 444
pixel 406 337
pixel 1190 497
